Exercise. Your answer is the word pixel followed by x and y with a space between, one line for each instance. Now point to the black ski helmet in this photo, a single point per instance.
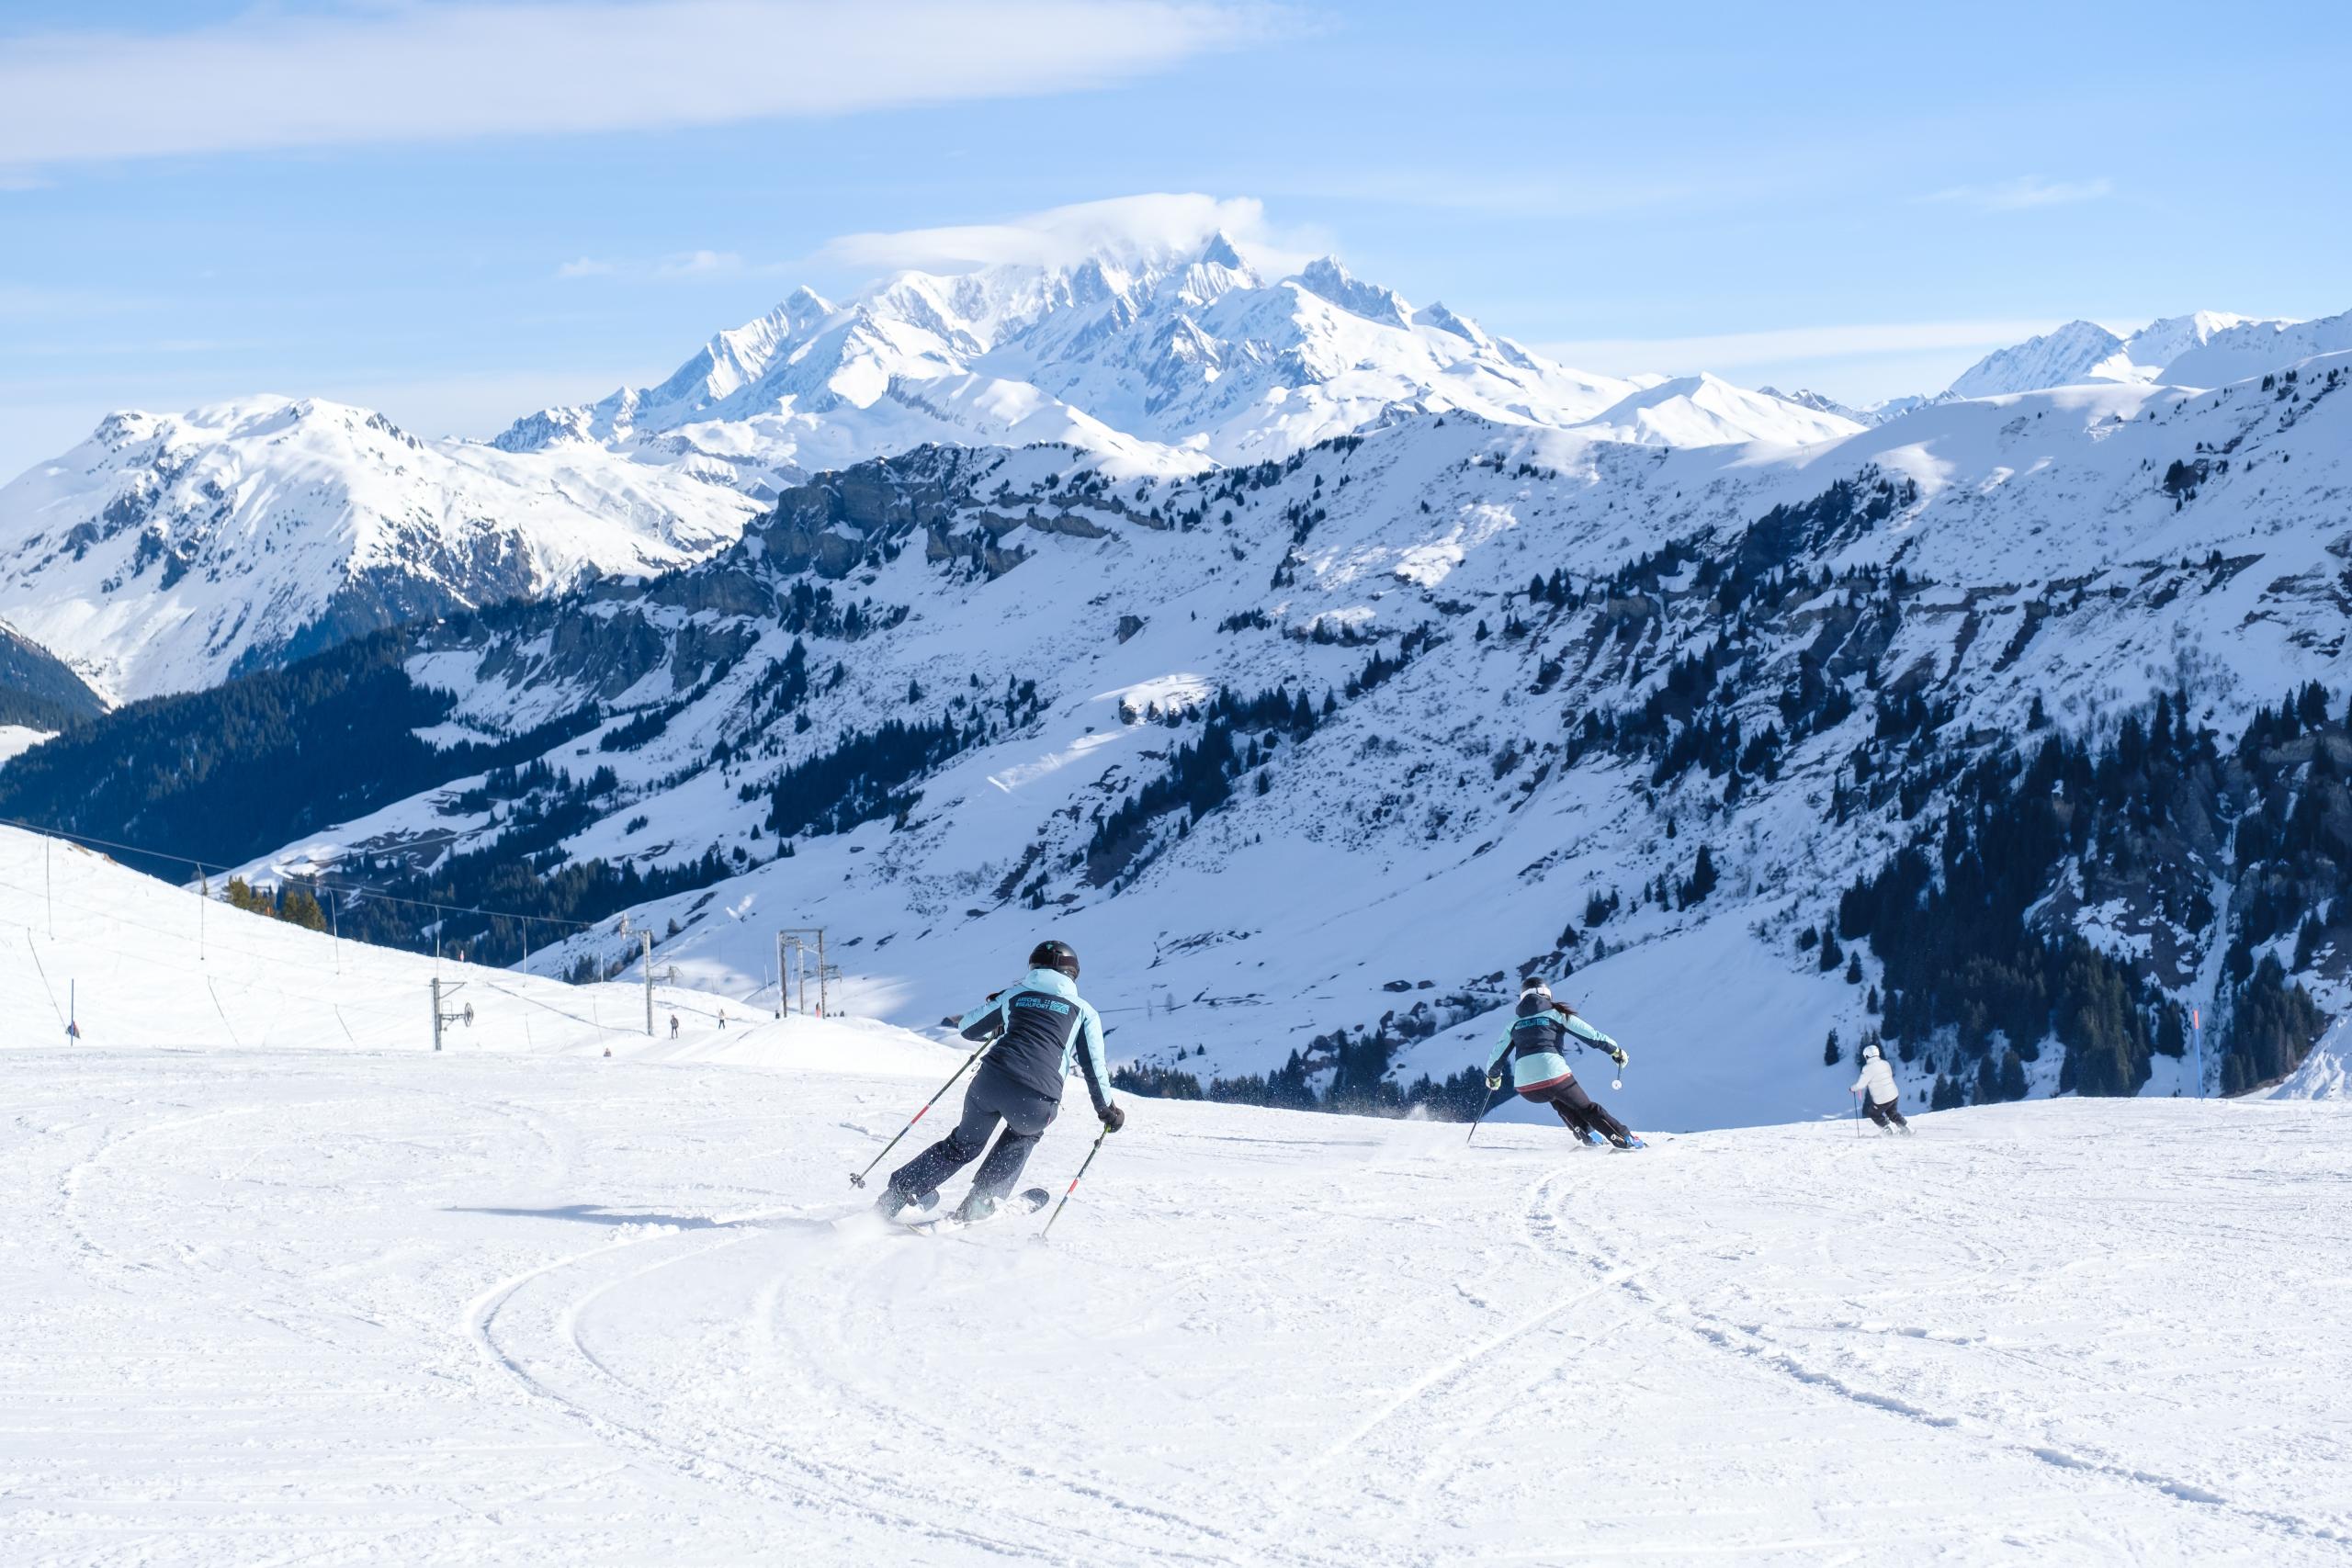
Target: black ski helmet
pixel 1058 957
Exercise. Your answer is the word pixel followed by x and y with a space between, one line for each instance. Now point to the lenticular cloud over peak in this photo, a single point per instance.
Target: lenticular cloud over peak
pixel 1141 226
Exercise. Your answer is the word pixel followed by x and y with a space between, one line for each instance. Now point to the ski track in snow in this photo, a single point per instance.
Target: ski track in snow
pixel 306 1308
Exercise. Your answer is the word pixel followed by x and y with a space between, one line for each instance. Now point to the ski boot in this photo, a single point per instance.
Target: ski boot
pixel 975 1207
pixel 893 1202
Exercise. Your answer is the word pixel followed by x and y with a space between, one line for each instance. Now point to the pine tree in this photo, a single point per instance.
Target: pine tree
pixel 1832 956
pixel 296 906
pixel 2012 1075
pixel 1830 1054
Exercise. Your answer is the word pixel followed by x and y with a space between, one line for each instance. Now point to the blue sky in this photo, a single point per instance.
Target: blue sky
pixel 391 203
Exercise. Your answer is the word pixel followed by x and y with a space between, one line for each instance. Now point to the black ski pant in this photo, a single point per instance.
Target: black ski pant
pixel 993 1097
pixel 1885 1114
pixel 1580 1111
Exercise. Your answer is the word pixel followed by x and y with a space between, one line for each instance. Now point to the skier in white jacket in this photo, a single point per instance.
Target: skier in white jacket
pixel 1876 1085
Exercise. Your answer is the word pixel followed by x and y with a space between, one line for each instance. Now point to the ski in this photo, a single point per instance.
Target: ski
pixel 865 1219
pixel 1023 1203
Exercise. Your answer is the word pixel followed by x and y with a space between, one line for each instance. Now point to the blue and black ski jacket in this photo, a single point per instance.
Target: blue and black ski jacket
pixel 1043 1030
pixel 1536 1043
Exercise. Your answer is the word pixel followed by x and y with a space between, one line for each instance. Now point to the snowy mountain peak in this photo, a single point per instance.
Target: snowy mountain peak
pixel 2245 349
pixel 1437 317
pixel 1328 278
pixel 172 551
pixel 1707 411
pixel 2062 358
pixel 2083 352
pixel 1220 252
pixel 1155 353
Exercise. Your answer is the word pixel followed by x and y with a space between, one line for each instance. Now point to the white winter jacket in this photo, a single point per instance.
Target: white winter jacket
pixel 1880 1079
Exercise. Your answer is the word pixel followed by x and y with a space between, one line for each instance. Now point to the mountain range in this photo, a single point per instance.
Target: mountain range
pixel 1333 663
pixel 1321 753
pixel 167 552
pixel 170 552
pixel 1161 360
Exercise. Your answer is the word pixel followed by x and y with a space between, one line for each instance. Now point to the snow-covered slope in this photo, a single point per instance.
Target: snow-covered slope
pixel 1159 359
pixel 2248 349
pixel 1706 411
pixel 136 962
pixel 1442 813
pixel 488 1307
pixel 167 552
pixel 2079 351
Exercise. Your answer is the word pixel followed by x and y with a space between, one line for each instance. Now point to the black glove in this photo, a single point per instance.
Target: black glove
pixel 1493 1083
pixel 1113 1118
pixel 1617 1055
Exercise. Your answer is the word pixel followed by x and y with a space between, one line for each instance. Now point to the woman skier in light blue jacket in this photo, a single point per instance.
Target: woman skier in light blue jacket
pixel 1536 1043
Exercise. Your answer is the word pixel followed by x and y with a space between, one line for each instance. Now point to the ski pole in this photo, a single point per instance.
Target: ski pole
pixel 1483 1106
pixel 1073 1184
pixel 859 1179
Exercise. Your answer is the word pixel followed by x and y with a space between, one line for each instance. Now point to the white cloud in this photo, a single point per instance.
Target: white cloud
pixel 680 266
pixel 1128 225
pixel 1722 351
pixel 2025 192
pixel 409 72
pixel 701 264
pixel 20 301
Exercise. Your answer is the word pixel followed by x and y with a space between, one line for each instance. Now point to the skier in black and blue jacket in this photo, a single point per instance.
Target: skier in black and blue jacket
pixel 1037 1033
pixel 1536 1043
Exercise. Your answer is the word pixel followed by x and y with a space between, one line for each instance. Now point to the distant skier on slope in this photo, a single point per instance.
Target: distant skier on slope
pixel 674 1026
pixel 1039 1030
pixel 1876 1085
pixel 1539 1067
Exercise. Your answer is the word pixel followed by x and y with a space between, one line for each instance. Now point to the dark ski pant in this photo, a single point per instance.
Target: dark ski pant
pixel 1579 1110
pixel 993 1097
pixel 1886 1115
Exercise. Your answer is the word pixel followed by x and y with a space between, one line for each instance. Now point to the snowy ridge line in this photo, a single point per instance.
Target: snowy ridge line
pixel 277 961
pixel 146 976
pixel 227 869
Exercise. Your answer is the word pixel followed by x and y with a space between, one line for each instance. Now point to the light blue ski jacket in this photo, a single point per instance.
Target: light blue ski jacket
pixel 1043 1030
pixel 1534 1042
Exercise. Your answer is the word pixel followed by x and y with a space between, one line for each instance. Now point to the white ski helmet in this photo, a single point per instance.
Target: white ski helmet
pixel 1533 985
pixel 1870 1053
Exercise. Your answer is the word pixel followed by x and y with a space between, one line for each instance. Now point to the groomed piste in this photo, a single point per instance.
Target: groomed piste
pixel 284 1286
